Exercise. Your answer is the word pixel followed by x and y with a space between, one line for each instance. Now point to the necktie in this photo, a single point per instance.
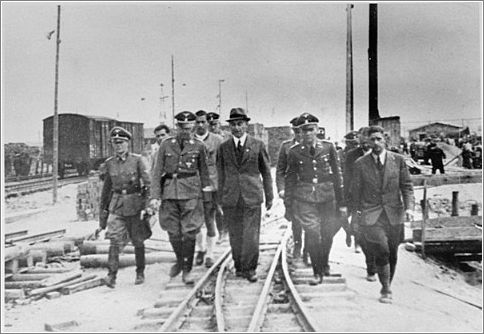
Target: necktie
pixel 312 151
pixel 239 152
pixel 379 165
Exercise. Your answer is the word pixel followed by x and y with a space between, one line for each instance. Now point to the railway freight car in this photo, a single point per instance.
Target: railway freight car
pixel 84 141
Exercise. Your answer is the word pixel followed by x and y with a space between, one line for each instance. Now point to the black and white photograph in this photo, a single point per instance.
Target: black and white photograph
pixel 241 166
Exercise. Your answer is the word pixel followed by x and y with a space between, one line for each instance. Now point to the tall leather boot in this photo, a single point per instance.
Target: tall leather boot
pixel 178 249
pixel 210 245
pixel 188 252
pixel 113 265
pixel 316 261
pixel 139 253
pixel 384 276
pixel 326 245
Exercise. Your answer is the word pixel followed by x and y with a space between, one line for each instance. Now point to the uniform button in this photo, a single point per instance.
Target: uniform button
pixel 314 161
pixel 315 168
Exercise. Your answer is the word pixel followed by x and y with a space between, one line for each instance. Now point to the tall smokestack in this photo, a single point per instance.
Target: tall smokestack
pixel 373 65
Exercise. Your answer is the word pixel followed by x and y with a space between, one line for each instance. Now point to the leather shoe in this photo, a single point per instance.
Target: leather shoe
pixel 140 279
pixel 175 270
pixel 187 278
pixel 386 298
pixel 251 276
pixel 109 281
pixel 208 262
pixel 371 278
pixel 317 279
pixel 199 258
pixel 326 271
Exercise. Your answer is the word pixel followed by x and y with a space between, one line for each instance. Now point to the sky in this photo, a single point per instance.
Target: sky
pixel 277 58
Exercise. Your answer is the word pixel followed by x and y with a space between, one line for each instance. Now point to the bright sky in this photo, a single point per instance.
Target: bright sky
pixel 288 56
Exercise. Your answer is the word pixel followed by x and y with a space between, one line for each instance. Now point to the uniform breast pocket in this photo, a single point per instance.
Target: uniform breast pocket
pixel 190 160
pixel 324 162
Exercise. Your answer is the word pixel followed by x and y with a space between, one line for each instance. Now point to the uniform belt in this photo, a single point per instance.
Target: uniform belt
pixel 316 180
pixel 125 192
pixel 179 175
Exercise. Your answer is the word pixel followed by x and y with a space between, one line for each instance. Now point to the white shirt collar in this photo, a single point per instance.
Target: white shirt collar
pixel 383 156
pixel 242 139
pixel 202 138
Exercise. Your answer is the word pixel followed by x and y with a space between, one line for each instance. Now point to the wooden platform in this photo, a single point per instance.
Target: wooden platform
pixel 450 235
pixel 439 179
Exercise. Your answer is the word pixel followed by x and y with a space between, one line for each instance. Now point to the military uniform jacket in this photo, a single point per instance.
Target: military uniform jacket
pixel 281 167
pixel 313 179
pixel 212 143
pixel 349 164
pixel 126 185
pixel 180 174
pixel 244 179
pixel 371 194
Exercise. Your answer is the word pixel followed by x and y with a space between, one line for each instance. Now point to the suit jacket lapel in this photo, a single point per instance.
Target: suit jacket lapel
pixel 246 149
pixel 371 164
pixel 387 168
pixel 231 148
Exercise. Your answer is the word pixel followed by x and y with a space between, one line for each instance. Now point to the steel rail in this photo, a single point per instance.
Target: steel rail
pixel 219 315
pixel 175 315
pixel 307 321
pixel 261 307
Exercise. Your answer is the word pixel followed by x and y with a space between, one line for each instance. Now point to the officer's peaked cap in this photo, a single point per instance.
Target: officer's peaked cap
pixel 211 116
pixel 120 133
pixel 201 113
pixel 306 119
pixel 294 121
pixel 185 117
pixel 352 135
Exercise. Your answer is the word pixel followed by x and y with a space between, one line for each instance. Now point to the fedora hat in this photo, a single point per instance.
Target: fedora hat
pixel 237 114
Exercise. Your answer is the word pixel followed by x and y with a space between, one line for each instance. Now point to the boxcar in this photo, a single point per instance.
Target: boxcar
pixel 84 140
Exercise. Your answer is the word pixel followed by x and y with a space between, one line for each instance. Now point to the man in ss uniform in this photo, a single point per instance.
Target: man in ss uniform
pixel 314 192
pixel 124 197
pixel 214 127
pixel 206 238
pixel 381 193
pixel 350 158
pixel 179 176
pixel 241 163
pixel 281 169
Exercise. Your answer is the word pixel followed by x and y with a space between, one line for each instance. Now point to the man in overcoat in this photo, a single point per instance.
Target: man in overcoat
pixel 244 178
pixel 381 194
pixel 179 177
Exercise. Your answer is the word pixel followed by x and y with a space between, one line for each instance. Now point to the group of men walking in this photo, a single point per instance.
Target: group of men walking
pixel 202 182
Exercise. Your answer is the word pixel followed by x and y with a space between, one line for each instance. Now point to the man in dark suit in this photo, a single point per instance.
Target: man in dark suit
pixel 381 194
pixel 241 162
pixel 351 156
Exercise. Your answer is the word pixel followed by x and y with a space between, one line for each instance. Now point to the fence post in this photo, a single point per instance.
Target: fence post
pixel 455 203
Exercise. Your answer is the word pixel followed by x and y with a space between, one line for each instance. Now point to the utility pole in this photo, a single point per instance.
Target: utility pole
pixel 246 102
pixel 173 91
pixel 349 71
pixel 162 116
pixel 373 65
pixel 220 96
pixel 56 116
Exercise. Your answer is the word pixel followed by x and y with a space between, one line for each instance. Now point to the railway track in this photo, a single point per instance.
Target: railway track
pixel 34 185
pixel 281 299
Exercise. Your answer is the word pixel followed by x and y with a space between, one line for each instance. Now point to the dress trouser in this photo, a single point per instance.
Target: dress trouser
pixel 244 227
pixel 317 220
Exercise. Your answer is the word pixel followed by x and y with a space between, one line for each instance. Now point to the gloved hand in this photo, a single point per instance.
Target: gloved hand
pixel 348 239
pixel 154 204
pixel 103 219
pixel 281 194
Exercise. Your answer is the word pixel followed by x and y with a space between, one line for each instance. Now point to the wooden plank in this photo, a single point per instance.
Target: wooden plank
pixel 82 286
pixel 61 278
pixel 61 285
pixel 48 270
pixel 38 237
pixel 459 221
pixel 439 180
pixel 29 277
pixel 125 260
pixel 11 294
pixel 24 285
pixel 474 247
pixel 60 327
pixel 448 234
pixel 12 235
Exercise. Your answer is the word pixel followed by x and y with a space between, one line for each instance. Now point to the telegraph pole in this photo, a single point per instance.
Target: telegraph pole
pixel 162 104
pixel 220 96
pixel 373 65
pixel 56 116
pixel 246 102
pixel 173 91
pixel 349 71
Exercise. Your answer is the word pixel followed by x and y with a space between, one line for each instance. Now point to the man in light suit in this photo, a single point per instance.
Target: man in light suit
pixel 382 193
pixel 241 162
